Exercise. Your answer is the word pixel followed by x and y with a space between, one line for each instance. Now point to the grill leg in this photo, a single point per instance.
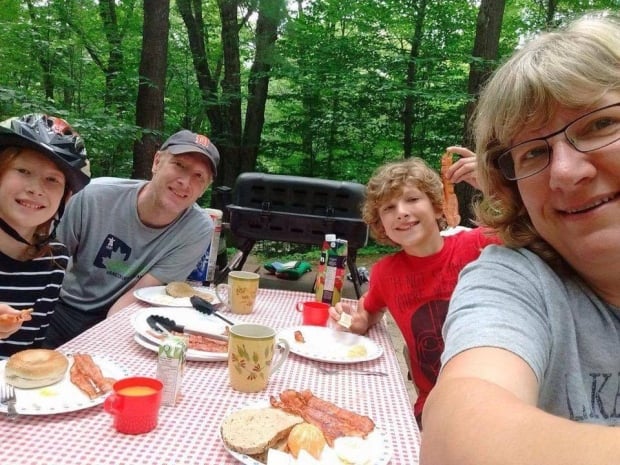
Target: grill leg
pixel 351 260
pixel 245 248
pixel 236 262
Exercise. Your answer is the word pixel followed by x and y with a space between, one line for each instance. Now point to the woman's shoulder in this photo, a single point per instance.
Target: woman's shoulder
pixel 478 237
pixel 498 260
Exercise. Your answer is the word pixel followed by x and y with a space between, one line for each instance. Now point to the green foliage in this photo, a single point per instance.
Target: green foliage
pixel 285 251
pixel 337 89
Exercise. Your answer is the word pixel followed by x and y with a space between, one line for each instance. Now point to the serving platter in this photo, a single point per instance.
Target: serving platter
pixel 156 295
pixel 147 338
pixel 329 345
pixel 375 448
pixel 62 396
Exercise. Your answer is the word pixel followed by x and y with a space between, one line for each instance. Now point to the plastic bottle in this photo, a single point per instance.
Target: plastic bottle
pixel 331 280
pixel 204 272
pixel 216 216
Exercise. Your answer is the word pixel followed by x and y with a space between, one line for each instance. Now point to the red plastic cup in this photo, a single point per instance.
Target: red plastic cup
pixel 135 403
pixel 313 313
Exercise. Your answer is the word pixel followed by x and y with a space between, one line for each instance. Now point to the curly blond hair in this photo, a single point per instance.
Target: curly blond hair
pixel 388 181
pixel 571 67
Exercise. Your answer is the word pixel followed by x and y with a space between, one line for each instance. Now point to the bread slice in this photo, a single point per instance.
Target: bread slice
pixel 254 431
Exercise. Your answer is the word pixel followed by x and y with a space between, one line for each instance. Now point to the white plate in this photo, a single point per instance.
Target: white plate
pixel 63 396
pixel 328 345
pixel 182 316
pixel 376 445
pixel 156 295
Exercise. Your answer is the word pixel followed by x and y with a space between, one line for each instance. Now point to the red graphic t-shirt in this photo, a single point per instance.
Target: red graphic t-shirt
pixel 416 291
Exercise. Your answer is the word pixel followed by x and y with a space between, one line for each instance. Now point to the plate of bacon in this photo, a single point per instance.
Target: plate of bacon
pixel 329 345
pixel 314 432
pixel 95 374
pixel 201 347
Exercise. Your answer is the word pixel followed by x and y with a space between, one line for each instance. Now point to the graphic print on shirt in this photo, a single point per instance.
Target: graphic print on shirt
pixel 113 256
pixel 426 324
pixel 601 401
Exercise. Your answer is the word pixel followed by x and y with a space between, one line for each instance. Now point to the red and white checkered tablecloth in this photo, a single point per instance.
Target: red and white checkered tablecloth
pixel 188 434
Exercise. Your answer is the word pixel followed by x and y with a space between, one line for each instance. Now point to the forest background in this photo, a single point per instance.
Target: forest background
pixel 320 88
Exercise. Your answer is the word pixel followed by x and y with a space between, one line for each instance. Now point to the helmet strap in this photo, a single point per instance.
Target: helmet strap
pixel 11 232
pixel 52 235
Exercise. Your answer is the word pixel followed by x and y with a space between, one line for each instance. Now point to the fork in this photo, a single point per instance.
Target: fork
pixel 7 397
pixel 335 371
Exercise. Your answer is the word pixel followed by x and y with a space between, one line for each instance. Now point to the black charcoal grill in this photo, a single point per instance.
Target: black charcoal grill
pixel 299 210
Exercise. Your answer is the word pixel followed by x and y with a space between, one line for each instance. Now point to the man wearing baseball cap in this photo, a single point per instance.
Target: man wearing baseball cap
pixel 125 234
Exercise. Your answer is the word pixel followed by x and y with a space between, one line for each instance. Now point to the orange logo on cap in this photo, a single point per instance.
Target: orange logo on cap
pixel 202 140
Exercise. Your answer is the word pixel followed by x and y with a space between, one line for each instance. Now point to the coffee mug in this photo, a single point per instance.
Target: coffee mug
pixel 135 403
pixel 240 291
pixel 251 356
pixel 313 313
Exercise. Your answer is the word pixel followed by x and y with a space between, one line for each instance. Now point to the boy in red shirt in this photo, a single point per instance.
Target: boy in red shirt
pixel 404 207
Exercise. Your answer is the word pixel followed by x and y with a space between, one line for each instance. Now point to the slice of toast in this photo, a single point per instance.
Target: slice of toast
pixel 254 431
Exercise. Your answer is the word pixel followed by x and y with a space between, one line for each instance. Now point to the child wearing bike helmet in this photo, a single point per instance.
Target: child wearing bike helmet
pixel 42 163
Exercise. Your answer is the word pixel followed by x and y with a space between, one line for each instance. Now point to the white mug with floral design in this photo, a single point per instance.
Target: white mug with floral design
pixel 253 356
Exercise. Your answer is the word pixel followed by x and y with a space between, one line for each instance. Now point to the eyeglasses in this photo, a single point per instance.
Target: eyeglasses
pixel 589 132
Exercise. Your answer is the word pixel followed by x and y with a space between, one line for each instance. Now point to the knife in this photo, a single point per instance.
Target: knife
pixel 171 325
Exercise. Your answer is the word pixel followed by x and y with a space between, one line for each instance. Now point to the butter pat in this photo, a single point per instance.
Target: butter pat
pixel 345 320
pixel 277 457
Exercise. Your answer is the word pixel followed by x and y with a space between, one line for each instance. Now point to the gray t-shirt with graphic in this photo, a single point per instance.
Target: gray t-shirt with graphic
pixel 112 249
pixel 569 337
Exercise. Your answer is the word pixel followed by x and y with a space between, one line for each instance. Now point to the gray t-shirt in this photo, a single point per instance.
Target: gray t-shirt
pixel 112 249
pixel 569 337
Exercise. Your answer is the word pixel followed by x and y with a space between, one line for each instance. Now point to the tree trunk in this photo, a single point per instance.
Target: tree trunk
pixel 552 6
pixel 151 87
pixel 408 110
pixel 115 93
pixel 238 143
pixel 42 55
pixel 191 12
pixel 484 55
pixel 270 15
pixel 114 97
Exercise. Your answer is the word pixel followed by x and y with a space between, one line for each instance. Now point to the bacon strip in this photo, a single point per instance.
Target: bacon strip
pixel 10 320
pixel 332 420
pixel 207 344
pixel 299 337
pixel 87 376
pixel 82 382
pixel 451 202
pixel 198 342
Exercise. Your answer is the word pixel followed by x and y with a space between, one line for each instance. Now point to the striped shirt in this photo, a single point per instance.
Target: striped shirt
pixel 31 284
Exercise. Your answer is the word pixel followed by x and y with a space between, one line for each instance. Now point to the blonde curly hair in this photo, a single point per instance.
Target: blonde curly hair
pixel 571 67
pixel 388 181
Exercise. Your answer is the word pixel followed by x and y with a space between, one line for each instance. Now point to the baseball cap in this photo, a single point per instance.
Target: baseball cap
pixel 189 142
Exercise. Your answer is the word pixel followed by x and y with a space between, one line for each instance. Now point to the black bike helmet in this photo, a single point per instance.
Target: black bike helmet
pixel 52 137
